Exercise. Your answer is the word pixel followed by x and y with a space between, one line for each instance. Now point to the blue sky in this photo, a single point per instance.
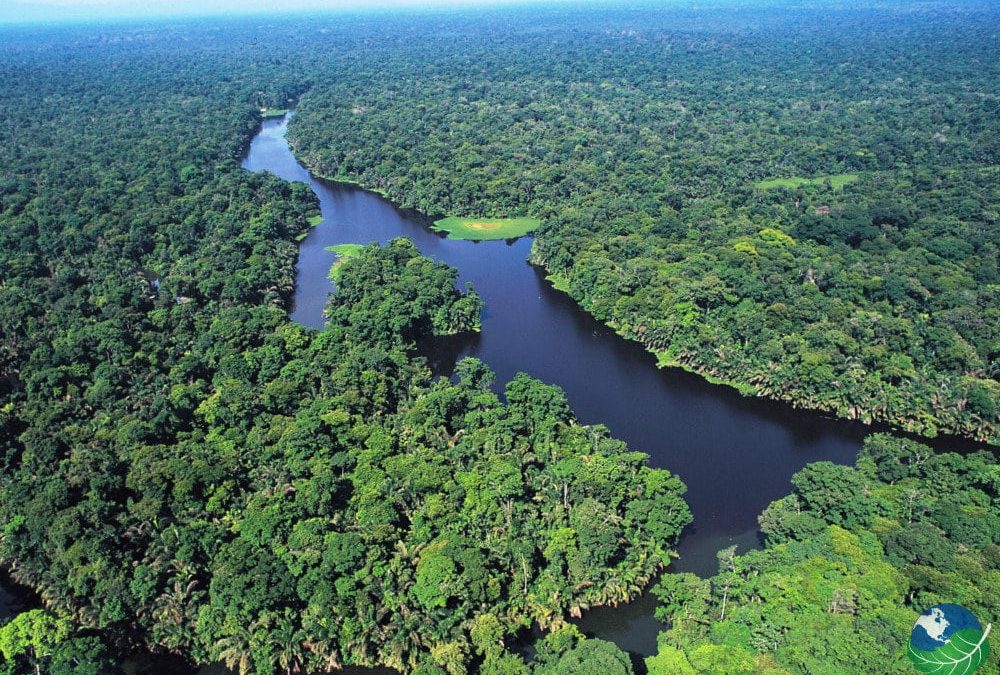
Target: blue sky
pixel 19 11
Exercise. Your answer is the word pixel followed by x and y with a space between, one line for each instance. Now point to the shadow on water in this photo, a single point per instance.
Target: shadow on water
pixel 15 598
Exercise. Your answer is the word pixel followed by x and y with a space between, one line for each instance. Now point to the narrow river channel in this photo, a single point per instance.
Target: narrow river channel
pixel 735 454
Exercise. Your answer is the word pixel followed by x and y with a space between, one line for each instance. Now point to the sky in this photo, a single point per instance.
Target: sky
pixel 31 11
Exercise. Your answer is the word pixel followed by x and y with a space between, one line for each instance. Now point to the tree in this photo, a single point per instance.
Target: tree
pixel 838 494
pixel 591 656
pixel 35 635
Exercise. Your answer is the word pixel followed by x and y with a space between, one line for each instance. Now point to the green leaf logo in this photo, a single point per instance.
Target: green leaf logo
pixel 948 640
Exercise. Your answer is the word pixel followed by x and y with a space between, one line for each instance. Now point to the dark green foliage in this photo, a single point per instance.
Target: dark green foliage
pixel 183 468
pixel 566 652
pixel 838 492
pixel 920 544
pixel 591 656
pixel 417 297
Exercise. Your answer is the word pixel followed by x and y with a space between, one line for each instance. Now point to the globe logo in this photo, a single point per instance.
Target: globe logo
pixel 948 640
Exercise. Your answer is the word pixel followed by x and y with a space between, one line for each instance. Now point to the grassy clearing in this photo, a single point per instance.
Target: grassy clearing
pixel 273 112
pixel 344 252
pixel 483 229
pixel 837 180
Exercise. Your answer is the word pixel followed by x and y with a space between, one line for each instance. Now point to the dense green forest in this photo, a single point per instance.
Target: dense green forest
pixel 864 284
pixel 185 469
pixel 853 556
pixel 802 203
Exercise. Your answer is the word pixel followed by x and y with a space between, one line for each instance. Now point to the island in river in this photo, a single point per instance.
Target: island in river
pixel 185 418
pixel 486 229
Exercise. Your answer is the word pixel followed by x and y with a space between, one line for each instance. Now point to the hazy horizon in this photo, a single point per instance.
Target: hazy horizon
pixel 59 11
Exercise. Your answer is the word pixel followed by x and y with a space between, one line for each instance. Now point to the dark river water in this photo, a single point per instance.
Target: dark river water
pixel 735 454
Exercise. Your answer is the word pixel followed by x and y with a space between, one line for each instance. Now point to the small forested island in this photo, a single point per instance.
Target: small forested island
pixel 796 200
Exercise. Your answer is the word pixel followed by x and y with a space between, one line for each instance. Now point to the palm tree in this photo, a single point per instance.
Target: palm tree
pixel 174 612
pixel 326 652
pixel 234 651
pixel 288 639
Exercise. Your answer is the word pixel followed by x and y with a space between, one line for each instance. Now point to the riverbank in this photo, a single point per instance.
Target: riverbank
pixel 883 407
pixel 735 454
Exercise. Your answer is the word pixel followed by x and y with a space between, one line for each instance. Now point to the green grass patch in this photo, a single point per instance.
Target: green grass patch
pixel 344 252
pixel 837 180
pixel 273 112
pixel 483 229
pixel 313 222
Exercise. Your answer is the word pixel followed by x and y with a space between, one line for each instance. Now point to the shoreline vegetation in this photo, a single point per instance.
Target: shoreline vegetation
pixel 887 406
pixel 753 382
pixel 485 229
pixel 183 467
pixel 313 221
pixel 851 557
pixel 830 259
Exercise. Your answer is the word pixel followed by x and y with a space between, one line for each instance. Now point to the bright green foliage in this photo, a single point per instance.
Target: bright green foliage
pixel 669 660
pixel 327 484
pixel 35 633
pixel 388 293
pixel 566 652
pixel 853 556
pixel 591 656
pixel 36 641
pixel 836 181
pixel 182 466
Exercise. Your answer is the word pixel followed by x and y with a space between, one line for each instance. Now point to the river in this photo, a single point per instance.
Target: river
pixel 735 454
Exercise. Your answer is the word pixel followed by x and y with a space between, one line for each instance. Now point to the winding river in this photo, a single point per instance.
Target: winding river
pixel 735 454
